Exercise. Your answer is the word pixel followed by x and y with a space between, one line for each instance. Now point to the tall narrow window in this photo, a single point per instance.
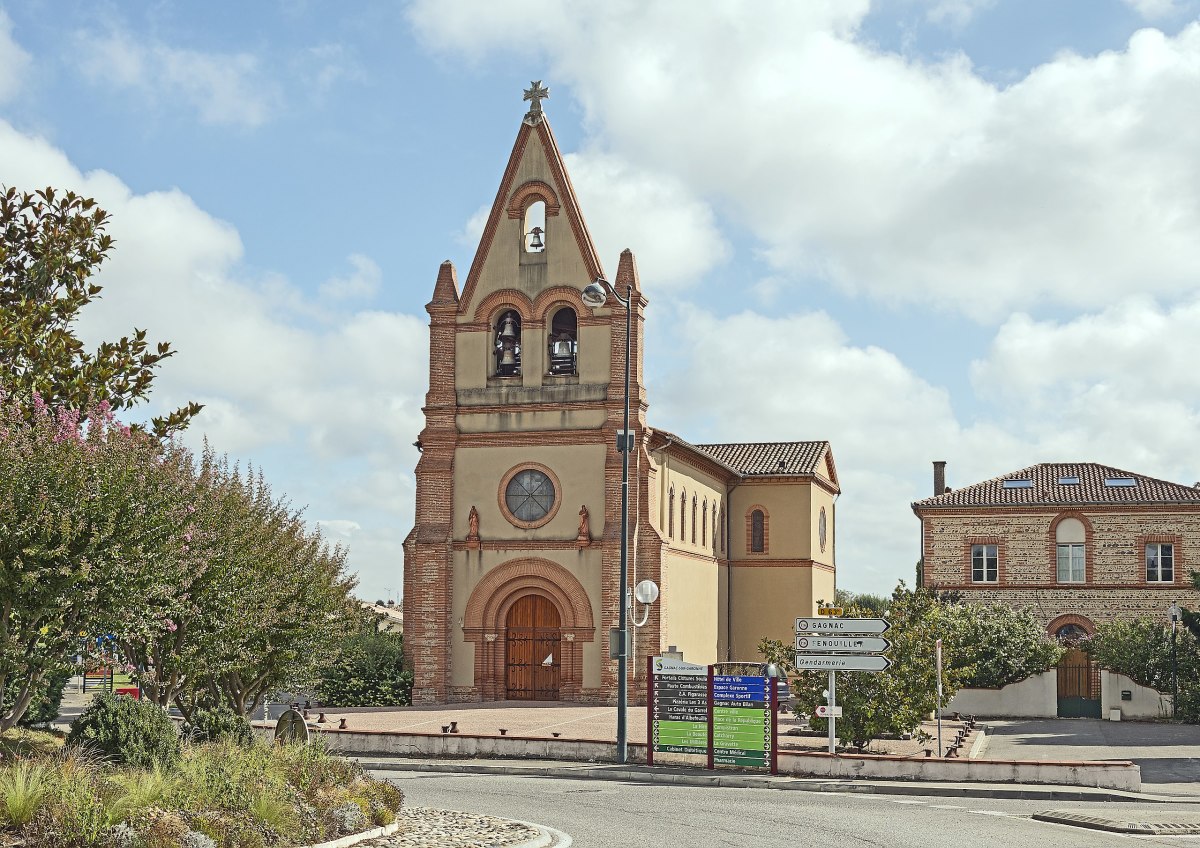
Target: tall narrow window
pixel 1160 563
pixel 671 513
pixel 722 519
pixel 1070 545
pixel 758 532
pixel 985 563
pixel 693 519
pixel 535 227
pixel 507 344
pixel 714 533
pixel 683 516
pixel 563 341
pixel 704 524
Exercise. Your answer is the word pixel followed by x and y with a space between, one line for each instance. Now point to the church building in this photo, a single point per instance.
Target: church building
pixel 512 570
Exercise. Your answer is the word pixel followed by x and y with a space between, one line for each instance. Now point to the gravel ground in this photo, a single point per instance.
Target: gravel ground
pixel 424 827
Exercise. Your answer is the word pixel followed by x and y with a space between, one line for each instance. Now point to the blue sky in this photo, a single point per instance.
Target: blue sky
pixel 920 229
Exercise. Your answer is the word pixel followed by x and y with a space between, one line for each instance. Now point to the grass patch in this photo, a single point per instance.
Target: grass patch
pixel 22 742
pixel 255 796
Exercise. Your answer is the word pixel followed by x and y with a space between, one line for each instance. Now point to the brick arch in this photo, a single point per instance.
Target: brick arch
pixel 750 510
pixel 485 621
pixel 555 297
pixel 1070 618
pixel 531 192
pixel 496 302
pixel 1052 545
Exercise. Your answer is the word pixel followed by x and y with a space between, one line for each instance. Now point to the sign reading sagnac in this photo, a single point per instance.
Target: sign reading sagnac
pixel 679 707
pixel 742 726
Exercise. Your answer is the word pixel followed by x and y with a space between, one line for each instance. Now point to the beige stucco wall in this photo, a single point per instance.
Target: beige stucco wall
pixel 789 519
pixel 766 602
pixel 820 499
pixel 690 602
pixel 707 489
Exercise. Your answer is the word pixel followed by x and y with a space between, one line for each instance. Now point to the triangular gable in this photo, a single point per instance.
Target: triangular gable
pixel 568 205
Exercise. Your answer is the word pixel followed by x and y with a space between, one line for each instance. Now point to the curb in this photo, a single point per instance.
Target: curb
pixel 355 838
pixel 1120 826
pixel 979 745
pixel 547 837
pixel 744 781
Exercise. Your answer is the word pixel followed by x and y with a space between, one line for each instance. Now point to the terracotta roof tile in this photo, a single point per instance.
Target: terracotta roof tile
pixel 750 458
pixel 1046 488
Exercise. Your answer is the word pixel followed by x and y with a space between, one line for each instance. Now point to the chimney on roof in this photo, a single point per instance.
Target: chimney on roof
pixel 939 477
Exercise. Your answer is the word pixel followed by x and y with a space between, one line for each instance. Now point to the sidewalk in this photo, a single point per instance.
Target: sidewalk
pixel 683 776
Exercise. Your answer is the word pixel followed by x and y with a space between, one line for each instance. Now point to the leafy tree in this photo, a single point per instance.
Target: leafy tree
pixel 89 516
pixel 51 244
pixel 1141 650
pixel 875 605
pixel 256 608
pixel 368 670
pixel 995 645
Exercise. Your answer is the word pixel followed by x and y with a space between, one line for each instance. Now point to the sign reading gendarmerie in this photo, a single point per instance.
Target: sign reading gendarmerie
pixel 679 723
pixel 842 662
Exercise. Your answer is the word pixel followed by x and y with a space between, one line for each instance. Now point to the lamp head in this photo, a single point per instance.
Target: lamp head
pixel 595 294
pixel 646 592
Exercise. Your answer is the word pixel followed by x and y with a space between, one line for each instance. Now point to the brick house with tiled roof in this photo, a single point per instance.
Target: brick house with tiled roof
pixel 1078 543
pixel 511 572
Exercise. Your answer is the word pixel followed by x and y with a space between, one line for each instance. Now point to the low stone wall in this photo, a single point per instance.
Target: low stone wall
pixel 1107 774
pixel 1033 697
pixel 1144 702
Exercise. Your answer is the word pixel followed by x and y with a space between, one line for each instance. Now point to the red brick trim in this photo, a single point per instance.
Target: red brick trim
pixel 970 542
pixel 1089 554
pixel 1070 618
pixel 750 530
pixel 552 299
pixel 491 307
pixel 1177 565
pixel 545 519
pixel 520 199
pixel 484 621
pixel 782 563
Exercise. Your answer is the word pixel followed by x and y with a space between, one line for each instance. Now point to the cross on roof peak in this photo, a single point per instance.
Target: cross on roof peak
pixel 536 93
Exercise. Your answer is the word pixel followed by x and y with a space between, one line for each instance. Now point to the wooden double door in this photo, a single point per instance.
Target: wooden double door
pixel 532 647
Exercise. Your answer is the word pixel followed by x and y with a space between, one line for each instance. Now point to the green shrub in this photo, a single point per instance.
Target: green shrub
pixel 126 730
pixel 1141 650
pixel 218 723
pixel 47 697
pixel 367 671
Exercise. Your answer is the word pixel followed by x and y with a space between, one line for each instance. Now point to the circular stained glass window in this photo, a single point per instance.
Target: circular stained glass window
pixel 529 495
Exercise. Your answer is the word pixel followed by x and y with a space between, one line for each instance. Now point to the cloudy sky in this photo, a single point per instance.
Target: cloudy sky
pixel 921 229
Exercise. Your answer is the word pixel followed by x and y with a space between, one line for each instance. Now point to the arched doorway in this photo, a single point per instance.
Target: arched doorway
pixel 1078 675
pixel 531 649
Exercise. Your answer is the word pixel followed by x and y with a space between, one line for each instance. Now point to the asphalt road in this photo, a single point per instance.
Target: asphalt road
pixel 600 814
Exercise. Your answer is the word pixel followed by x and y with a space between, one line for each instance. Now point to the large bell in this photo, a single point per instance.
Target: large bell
pixel 535 241
pixel 508 357
pixel 562 347
pixel 509 330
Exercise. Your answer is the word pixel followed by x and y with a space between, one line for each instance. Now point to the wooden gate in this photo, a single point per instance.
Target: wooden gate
pixel 531 650
pixel 1078 686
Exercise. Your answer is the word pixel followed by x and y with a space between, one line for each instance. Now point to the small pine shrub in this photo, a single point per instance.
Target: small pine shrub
pixel 218 723
pixel 126 730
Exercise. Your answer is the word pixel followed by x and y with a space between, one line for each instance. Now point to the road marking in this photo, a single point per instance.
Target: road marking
pixel 945 807
pixel 899 801
pixel 993 813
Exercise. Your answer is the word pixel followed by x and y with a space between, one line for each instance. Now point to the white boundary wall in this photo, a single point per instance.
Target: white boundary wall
pixel 1037 697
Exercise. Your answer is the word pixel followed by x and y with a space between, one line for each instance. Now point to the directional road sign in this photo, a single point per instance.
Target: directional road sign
pixel 841 662
pixel 842 644
pixel 841 626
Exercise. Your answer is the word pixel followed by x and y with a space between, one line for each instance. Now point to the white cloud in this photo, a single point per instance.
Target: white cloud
pixel 957 13
pixel 326 65
pixel 673 233
pixel 14 61
pixel 362 282
pixel 326 408
pixel 1153 10
pixel 886 175
pixel 222 88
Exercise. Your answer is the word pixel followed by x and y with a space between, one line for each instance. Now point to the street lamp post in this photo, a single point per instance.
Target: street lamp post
pixel 596 295
pixel 1173 611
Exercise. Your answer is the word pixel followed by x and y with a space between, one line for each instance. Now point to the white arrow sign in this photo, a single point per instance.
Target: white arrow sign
pixel 825 711
pixel 841 662
pixel 841 626
pixel 842 644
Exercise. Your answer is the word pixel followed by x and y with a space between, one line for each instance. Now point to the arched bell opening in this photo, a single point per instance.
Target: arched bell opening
pixel 534 227
pixel 563 341
pixel 507 344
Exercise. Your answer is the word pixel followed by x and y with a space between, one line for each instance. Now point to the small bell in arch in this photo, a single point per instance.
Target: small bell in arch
pixel 509 330
pixel 535 239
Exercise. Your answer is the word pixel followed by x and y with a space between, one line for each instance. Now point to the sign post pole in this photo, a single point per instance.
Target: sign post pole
pixel 832 718
pixel 937 650
pixel 650 711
